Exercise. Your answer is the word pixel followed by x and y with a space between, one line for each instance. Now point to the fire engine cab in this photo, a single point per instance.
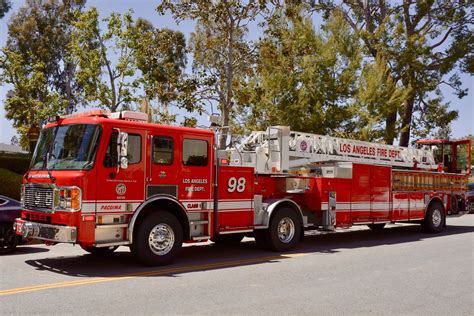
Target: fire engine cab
pixel 103 180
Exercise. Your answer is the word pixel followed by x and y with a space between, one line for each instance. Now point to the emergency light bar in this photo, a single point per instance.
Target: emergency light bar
pixel 122 115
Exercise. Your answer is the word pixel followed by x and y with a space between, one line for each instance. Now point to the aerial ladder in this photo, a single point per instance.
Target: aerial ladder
pixel 278 150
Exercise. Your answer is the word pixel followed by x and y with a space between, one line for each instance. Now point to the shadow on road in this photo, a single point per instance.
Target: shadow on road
pixel 210 256
pixel 25 249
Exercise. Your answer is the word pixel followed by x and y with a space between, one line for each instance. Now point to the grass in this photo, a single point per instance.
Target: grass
pixel 10 183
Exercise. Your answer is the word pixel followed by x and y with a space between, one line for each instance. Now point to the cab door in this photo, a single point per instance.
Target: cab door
pixel 120 190
pixel 196 162
pixel 164 164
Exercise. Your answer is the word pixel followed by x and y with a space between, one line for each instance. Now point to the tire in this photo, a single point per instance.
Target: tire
pixel 284 231
pixel 158 239
pixel 231 239
pixel 377 227
pixel 454 205
pixel 100 251
pixel 8 239
pixel 434 219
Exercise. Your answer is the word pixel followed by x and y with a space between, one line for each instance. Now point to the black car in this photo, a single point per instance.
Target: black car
pixel 9 210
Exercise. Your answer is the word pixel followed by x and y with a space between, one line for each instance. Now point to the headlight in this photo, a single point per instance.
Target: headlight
pixel 67 199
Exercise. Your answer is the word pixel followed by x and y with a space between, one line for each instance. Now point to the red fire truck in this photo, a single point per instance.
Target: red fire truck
pixel 102 180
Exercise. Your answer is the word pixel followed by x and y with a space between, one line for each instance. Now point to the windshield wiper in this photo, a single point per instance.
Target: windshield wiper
pixel 48 153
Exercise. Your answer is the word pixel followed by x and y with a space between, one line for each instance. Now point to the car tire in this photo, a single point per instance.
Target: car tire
pixel 434 221
pixel 8 239
pixel 284 231
pixel 158 239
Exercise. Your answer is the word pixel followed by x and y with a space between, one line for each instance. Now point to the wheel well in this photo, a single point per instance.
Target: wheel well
pixel 165 205
pixel 291 206
pixel 435 200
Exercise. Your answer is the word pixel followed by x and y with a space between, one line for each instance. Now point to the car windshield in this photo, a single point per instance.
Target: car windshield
pixel 66 147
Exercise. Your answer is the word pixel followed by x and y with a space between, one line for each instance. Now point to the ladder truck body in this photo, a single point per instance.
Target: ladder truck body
pixel 102 180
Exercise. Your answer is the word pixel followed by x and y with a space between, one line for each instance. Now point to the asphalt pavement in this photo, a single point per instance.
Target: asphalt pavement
pixel 355 271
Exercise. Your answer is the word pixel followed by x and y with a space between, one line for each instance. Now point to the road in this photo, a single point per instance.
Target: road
pixel 397 271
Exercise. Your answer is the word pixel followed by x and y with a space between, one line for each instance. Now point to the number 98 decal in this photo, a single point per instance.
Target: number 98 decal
pixel 233 184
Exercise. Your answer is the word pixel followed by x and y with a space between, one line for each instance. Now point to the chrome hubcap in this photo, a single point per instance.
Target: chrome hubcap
pixel 161 239
pixel 436 218
pixel 286 230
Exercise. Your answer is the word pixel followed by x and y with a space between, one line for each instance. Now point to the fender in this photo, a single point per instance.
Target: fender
pixel 270 205
pixel 151 200
pixel 429 199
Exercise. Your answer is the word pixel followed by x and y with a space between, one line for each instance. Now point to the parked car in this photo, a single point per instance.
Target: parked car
pixel 9 210
pixel 470 197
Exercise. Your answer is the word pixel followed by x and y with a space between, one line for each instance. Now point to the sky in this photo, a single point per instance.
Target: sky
pixel 146 9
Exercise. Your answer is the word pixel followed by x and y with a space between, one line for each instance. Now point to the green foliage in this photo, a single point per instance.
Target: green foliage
pixel 5 6
pixel 11 184
pixel 221 54
pixel 422 43
pixel 34 62
pixel 304 79
pixel 17 163
pixel 105 80
pixel 161 56
pixel 377 98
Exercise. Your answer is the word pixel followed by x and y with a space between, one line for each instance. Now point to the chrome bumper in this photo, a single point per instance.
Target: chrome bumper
pixel 54 233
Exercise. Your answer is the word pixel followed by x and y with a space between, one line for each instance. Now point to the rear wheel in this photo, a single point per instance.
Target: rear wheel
pixel 434 218
pixel 284 231
pixel 8 239
pixel 376 227
pixel 158 239
pixel 100 251
pixel 231 239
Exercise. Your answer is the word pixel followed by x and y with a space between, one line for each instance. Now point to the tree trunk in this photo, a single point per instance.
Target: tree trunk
pixel 406 122
pixel 390 132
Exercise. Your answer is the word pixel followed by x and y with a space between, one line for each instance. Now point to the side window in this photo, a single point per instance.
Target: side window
pixel 163 150
pixel 194 152
pixel 134 150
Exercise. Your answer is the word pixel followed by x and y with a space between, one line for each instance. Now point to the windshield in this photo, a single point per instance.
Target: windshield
pixel 66 147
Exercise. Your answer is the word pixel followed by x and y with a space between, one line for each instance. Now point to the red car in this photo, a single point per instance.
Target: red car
pixel 9 210
pixel 470 197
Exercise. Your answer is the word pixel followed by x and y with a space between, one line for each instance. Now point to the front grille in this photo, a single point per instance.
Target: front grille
pixel 38 197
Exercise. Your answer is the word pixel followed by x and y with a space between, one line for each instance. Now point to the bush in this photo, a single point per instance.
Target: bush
pixel 16 163
pixel 10 184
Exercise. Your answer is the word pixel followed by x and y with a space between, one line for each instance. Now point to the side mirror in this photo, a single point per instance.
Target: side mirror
pixel 122 150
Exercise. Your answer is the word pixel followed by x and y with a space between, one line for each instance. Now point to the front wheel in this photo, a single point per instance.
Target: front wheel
pixel 8 239
pixel 158 239
pixel 434 219
pixel 284 231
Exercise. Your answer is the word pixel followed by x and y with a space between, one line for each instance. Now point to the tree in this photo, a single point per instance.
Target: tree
pixel 107 78
pixel 422 42
pixel 161 56
pixel 5 6
pixel 221 54
pixel 34 62
pixel 304 79
pixel 14 141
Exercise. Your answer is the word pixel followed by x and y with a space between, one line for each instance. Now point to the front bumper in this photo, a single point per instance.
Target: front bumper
pixel 54 233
